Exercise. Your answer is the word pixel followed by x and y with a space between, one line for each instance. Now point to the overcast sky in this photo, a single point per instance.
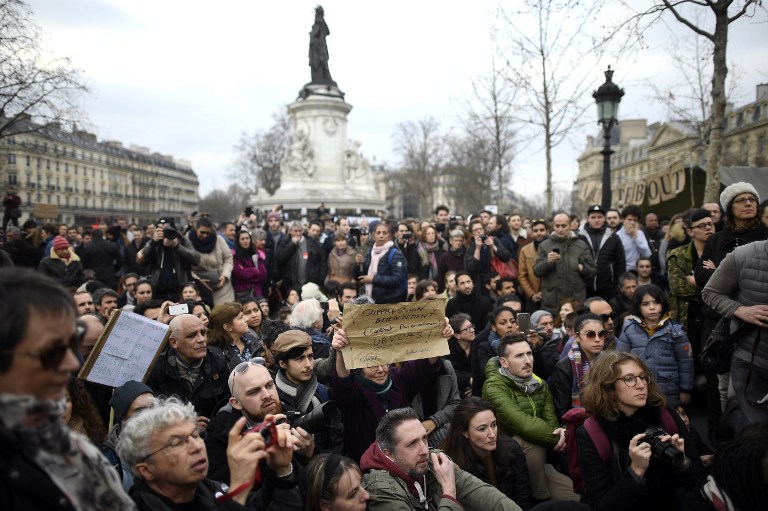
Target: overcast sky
pixel 186 78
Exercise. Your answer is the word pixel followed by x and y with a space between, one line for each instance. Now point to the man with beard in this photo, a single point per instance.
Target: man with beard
pixel 84 303
pixel 613 219
pixel 254 396
pixel 563 263
pixel 526 411
pixel 607 251
pixel 529 282
pixel 402 473
pixel 469 301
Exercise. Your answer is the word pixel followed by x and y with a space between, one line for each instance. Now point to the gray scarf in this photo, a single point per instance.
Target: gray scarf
pixel 528 385
pixel 300 395
pixel 75 466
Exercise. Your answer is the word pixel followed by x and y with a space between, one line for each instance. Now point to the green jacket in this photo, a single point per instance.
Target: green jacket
pixel 390 493
pixel 680 265
pixel 530 416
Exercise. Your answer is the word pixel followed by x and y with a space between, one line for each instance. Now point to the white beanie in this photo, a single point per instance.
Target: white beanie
pixel 736 189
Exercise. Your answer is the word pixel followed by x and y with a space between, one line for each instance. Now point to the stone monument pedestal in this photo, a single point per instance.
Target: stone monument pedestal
pixel 321 164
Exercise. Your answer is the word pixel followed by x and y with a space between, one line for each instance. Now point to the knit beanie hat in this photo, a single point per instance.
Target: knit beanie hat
pixel 536 317
pixel 274 215
pixel 124 396
pixel 60 243
pixel 734 190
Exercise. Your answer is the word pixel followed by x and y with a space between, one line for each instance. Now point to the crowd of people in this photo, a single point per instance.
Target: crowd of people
pixel 575 350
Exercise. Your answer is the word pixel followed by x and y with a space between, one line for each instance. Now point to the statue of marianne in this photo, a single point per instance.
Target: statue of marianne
pixel 318 50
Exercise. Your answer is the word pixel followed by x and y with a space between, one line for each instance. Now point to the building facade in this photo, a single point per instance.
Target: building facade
pixel 90 181
pixel 643 152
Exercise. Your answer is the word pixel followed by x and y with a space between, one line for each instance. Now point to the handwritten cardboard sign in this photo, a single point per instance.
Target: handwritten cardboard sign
pixel 126 350
pixel 382 334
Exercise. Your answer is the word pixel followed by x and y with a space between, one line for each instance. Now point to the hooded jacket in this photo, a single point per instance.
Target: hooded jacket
pixel 393 489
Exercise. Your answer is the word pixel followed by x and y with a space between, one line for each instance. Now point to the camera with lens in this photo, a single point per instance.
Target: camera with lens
pixel 354 231
pixel 407 236
pixel 268 431
pixel 322 418
pixel 170 233
pixel 665 451
pixel 483 237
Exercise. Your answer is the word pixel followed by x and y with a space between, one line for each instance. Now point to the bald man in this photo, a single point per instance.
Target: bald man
pixel 190 369
pixel 563 262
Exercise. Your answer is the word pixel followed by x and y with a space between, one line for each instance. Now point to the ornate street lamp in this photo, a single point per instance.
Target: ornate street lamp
pixel 607 97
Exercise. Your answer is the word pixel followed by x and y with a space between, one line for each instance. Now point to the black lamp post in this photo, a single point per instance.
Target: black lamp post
pixel 607 97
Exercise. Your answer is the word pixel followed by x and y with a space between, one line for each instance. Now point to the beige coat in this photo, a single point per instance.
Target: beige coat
pixel 221 261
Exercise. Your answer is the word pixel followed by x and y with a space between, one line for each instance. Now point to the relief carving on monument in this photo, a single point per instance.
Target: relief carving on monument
pixel 330 125
pixel 299 158
pixel 355 166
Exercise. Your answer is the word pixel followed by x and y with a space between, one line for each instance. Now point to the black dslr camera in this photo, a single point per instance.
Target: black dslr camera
pixel 322 418
pixel 665 451
pixel 170 233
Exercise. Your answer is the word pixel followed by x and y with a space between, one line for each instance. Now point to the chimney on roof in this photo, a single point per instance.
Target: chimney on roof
pixel 762 91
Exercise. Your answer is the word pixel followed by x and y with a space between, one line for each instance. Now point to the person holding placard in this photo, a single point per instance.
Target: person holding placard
pixel 365 395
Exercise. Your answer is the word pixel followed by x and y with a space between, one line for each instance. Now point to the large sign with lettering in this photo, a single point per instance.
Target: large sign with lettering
pixel 656 188
pixel 126 350
pixel 383 334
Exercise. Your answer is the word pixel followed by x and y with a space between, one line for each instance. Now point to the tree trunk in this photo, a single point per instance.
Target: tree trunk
pixel 717 119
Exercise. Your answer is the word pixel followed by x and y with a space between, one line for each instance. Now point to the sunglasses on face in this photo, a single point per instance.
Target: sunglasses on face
pixel 606 317
pixel 591 334
pixel 51 358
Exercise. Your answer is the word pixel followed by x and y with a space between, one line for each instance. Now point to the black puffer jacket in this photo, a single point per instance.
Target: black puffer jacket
pixel 720 245
pixel 389 279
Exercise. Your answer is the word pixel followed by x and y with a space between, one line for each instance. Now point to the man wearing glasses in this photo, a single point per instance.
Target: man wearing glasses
pixel 39 342
pixel 165 450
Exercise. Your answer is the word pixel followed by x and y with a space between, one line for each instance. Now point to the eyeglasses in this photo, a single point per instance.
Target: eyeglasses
pixel 630 380
pixel 470 328
pixel 591 334
pixel 179 441
pixel 704 226
pixel 606 317
pixel 745 200
pixel 51 358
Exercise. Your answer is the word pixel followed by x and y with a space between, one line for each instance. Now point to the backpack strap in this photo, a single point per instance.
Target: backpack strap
pixel 668 422
pixel 322 392
pixel 599 438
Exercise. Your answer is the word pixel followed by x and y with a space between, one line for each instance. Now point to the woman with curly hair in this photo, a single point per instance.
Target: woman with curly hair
pixel 630 410
pixel 81 415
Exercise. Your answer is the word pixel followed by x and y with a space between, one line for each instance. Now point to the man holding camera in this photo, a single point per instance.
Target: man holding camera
pixel 563 263
pixel 305 401
pixel 163 448
pixel 254 396
pixel 169 258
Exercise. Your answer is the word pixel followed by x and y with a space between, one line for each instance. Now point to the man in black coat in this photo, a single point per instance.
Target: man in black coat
pixel 607 251
pixel 103 258
pixel 301 259
pixel 469 301
pixel 190 370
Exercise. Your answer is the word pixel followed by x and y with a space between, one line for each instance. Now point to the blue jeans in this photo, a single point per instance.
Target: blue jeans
pixel 758 388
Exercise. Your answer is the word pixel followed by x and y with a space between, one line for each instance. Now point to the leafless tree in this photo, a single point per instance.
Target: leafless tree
pixel 719 15
pixel 32 84
pixel 489 124
pixel 468 173
pixel 421 148
pixel 224 205
pixel 259 155
pixel 546 41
